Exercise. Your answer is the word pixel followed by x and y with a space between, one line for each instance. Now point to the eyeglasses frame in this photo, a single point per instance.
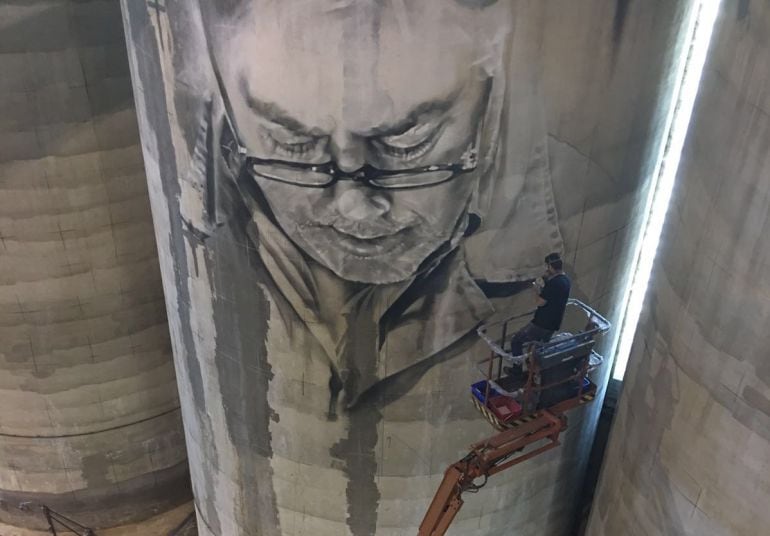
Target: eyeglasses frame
pixel 367 173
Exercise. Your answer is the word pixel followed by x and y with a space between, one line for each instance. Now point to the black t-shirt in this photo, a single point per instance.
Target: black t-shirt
pixel 555 293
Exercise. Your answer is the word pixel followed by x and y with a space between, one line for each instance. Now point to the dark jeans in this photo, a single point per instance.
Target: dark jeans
pixel 529 333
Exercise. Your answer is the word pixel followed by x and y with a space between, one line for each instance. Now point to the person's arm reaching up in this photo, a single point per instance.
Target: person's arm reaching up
pixel 539 294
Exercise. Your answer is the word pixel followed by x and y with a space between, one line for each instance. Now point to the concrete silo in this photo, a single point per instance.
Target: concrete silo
pixel 89 413
pixel 325 273
pixel 690 449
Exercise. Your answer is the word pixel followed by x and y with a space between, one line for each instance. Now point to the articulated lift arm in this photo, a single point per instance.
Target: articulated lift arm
pixel 487 458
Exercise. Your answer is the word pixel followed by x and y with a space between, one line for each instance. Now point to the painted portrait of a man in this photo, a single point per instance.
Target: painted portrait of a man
pixel 350 188
pixel 361 173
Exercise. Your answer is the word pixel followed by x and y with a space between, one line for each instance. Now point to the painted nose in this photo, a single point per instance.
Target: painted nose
pixel 358 203
pixel 349 151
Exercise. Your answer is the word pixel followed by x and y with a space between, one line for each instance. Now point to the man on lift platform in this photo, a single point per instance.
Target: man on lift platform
pixel 552 296
pixel 556 382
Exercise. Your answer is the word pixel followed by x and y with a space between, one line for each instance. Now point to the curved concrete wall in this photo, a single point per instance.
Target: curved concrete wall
pixel 324 337
pixel 690 449
pixel 89 417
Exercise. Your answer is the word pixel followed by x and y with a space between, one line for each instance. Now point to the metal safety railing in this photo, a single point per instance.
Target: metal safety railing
pixel 598 325
pixel 61 524
pixel 561 344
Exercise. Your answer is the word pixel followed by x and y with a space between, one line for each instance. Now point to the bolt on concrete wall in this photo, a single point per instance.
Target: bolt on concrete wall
pixel 89 417
pixel 324 331
pixel 690 449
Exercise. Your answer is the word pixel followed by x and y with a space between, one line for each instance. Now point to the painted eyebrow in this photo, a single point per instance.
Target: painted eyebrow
pixel 274 113
pixel 413 118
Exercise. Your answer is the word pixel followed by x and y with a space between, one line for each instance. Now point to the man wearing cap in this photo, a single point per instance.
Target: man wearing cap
pixel 552 299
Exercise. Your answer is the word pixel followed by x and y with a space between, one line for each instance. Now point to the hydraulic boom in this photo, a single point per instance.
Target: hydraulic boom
pixel 527 400
pixel 487 458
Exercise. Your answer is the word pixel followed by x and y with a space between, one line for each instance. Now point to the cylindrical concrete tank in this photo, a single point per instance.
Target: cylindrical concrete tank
pixel 89 418
pixel 690 449
pixel 324 329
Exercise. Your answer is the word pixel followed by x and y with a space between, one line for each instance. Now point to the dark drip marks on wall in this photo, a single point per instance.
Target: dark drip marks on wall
pixel 619 22
pixel 744 9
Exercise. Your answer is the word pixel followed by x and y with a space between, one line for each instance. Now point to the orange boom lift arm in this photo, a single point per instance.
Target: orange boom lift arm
pixel 487 458
pixel 553 369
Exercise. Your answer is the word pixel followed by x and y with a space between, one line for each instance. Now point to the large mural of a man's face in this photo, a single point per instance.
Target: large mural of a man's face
pixel 367 161
pixel 343 191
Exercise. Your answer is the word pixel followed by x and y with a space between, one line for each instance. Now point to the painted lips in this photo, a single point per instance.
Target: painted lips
pixel 368 246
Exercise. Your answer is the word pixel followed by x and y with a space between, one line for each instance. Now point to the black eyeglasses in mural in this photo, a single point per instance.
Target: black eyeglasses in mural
pixel 294 141
pixel 326 174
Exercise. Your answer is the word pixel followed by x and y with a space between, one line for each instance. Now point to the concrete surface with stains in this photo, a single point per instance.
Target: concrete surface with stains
pixel 689 454
pixel 89 412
